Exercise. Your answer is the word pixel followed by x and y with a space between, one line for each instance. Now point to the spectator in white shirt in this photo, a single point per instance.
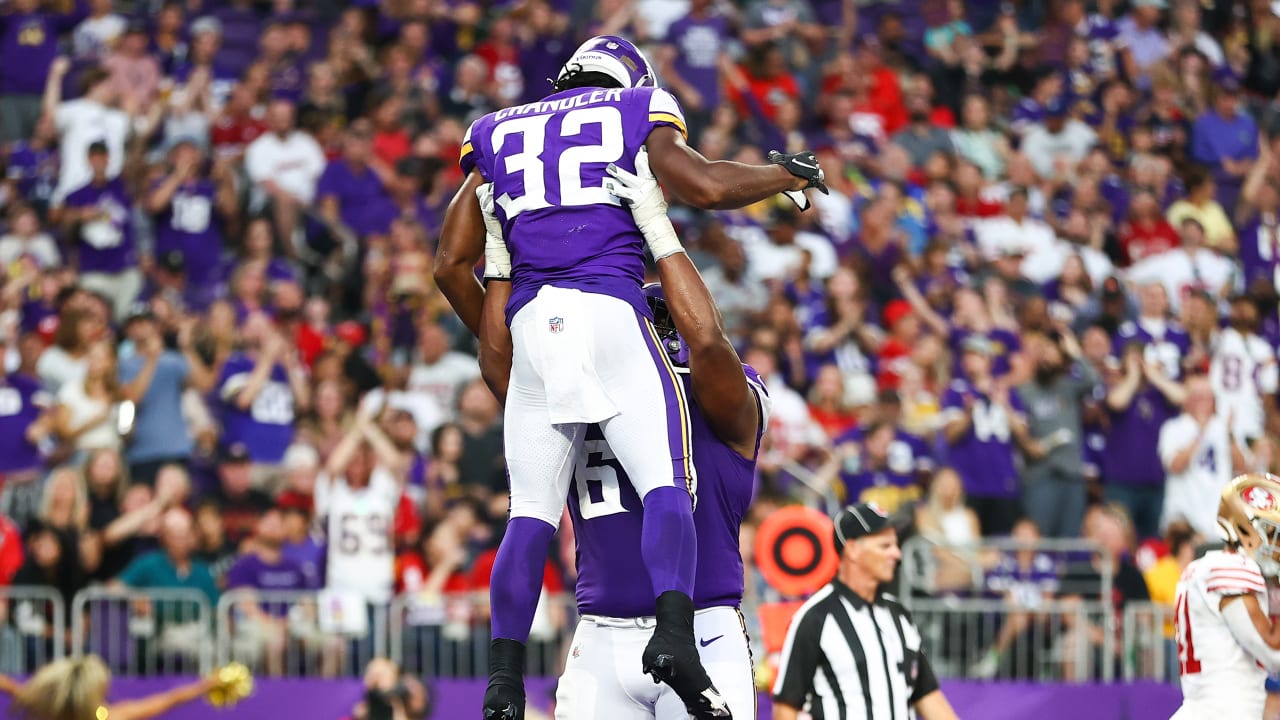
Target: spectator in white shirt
pixel 998 236
pixel 99 31
pixel 82 122
pixel 1056 146
pixel 1190 267
pixel 1200 453
pixel 436 379
pixel 26 239
pixel 284 166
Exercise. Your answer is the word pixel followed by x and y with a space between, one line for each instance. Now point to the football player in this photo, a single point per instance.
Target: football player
pixel 1226 641
pixel 730 410
pixel 584 350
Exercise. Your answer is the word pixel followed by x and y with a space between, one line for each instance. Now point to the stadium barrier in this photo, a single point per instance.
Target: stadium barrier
pixel 324 634
pixel 1148 647
pixel 1014 610
pixel 447 634
pixel 33 628
pixel 144 632
pixel 300 633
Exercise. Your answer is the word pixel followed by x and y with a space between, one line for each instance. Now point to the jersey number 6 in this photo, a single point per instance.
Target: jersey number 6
pixel 531 165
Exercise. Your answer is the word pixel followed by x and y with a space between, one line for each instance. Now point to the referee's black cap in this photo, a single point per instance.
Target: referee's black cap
pixel 856 521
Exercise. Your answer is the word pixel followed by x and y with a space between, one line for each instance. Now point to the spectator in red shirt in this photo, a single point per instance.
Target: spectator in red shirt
pixel 768 81
pixel 903 326
pixel 10 550
pixel 1147 232
pixel 883 91
pixel 236 127
pixel 827 405
pixel 970 202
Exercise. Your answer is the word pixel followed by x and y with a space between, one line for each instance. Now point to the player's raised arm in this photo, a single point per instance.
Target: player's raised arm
pixel 724 184
pixel 461 247
pixel 719 383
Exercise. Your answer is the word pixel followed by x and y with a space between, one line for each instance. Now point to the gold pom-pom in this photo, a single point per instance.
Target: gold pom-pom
pixel 235 683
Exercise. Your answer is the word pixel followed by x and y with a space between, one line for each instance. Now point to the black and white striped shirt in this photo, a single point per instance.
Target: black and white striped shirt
pixel 847 659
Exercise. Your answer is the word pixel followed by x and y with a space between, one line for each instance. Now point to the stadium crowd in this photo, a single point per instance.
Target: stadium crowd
pixel 1043 287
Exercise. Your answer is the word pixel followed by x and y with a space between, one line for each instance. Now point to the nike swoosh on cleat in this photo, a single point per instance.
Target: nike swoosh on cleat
pixel 807 166
pixel 705 643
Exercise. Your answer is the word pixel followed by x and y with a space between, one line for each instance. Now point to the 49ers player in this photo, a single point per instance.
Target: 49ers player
pixel 1226 640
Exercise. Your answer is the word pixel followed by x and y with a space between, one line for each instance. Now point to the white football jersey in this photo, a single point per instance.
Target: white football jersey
pixel 1193 494
pixel 1243 369
pixel 361 557
pixel 1219 678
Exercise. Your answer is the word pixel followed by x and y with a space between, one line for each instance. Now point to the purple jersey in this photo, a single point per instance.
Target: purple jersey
pixel 266 428
pixel 21 401
pixel 1130 454
pixel 606 515
pixel 251 571
pixel 28 45
pixel 1028 585
pixel 106 242
pixel 698 43
pixel 187 225
pixel 363 204
pixel 889 485
pixel 34 170
pixel 547 163
pixel 1166 343
pixel 1004 342
pixel 1260 248
pixel 983 456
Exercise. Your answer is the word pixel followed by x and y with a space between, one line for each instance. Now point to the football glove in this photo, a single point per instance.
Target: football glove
pixel 497 259
pixel 641 192
pixel 803 165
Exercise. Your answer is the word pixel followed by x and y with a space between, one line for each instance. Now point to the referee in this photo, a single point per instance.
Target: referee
pixel 852 652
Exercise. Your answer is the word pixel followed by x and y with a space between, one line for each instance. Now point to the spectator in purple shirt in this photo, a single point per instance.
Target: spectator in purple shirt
pixel 190 205
pixel 262 629
pixel 984 419
pixel 1225 140
pixel 105 251
pixel 28 45
pixel 352 190
pixel 689 62
pixel 261 389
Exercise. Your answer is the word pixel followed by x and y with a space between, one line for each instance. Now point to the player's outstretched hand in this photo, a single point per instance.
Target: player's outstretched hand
pixel 640 192
pixel 497 258
pixel 803 165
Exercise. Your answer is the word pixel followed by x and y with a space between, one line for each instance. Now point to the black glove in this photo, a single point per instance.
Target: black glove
pixel 802 165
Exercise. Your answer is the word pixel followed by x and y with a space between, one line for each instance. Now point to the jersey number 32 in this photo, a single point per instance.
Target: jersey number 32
pixel 565 171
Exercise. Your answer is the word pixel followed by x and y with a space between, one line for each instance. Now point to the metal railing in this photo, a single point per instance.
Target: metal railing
pixel 300 633
pixel 144 632
pixel 447 635
pixel 1147 643
pixel 309 634
pixel 931 569
pixel 989 639
pixel 33 624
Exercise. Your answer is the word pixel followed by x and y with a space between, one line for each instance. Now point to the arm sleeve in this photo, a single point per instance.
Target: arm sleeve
pixel 665 111
pixel 1231 581
pixel 1241 626
pixel 800 655
pixel 468 157
pixel 926 680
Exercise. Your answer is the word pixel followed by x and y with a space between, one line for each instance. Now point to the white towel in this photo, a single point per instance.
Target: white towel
pixel 563 331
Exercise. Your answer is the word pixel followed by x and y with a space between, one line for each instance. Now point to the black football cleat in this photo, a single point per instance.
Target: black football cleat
pixel 504 698
pixel 671 657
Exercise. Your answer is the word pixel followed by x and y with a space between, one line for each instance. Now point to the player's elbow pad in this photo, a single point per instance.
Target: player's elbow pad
pixel 1236 615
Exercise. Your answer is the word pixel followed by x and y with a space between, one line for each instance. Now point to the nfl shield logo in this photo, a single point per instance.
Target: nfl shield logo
pixel 555 324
